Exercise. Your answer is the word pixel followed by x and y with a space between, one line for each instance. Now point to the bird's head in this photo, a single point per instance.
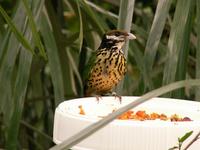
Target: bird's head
pixel 116 39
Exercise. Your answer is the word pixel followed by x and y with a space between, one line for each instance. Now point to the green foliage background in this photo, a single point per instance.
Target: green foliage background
pixel 45 45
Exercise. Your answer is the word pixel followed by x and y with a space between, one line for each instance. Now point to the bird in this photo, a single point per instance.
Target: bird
pixel 107 65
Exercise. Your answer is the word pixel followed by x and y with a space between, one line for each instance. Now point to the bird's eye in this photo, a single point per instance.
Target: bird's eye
pixel 117 34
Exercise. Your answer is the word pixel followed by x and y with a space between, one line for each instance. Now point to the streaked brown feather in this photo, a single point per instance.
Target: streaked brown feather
pixel 110 64
pixel 109 69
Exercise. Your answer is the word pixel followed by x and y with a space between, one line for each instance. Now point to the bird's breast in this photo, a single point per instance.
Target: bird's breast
pixel 109 69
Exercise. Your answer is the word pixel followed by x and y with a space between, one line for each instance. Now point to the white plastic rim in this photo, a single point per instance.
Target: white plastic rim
pixel 127 134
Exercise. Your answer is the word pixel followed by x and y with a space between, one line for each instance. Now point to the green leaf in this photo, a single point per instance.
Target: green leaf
pixel 94 18
pixel 176 40
pixel 3 46
pixel 8 63
pixel 59 38
pixel 36 36
pixel 137 55
pixel 36 130
pixel 184 53
pixel 17 33
pixel 6 71
pixel 36 85
pixel 185 137
pixel 81 27
pixel 197 93
pixel 18 97
pixel 2 29
pixel 53 60
pixel 154 39
pixel 75 68
pixel 17 76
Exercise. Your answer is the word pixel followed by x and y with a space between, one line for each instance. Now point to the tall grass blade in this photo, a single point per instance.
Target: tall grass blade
pixel 124 23
pixel 81 27
pixel 197 93
pixel 100 124
pixel 75 68
pixel 184 53
pixel 36 130
pixel 3 46
pixel 176 40
pixel 17 33
pixel 63 58
pixel 18 97
pixel 101 10
pixel 2 29
pixel 8 63
pixel 53 60
pixel 17 85
pixel 33 27
pixel 133 78
pixel 137 55
pixel 100 26
pixel 6 71
pixel 154 39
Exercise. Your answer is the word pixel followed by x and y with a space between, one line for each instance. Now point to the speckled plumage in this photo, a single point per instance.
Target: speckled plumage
pixel 108 64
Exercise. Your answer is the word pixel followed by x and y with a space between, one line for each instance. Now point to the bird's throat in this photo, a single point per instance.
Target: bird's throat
pixel 112 45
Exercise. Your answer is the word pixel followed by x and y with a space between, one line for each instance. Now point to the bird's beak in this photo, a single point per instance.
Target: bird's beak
pixel 131 36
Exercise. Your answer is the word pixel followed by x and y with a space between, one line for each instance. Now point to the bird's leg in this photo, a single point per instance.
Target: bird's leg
pixel 117 96
pixel 98 97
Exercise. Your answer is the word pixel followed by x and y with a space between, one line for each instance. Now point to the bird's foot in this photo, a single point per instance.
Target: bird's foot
pixel 117 96
pixel 98 97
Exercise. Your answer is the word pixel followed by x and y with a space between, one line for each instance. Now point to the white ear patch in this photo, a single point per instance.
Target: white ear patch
pixel 112 37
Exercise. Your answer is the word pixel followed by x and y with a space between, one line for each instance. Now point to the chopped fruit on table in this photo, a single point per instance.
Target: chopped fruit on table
pixel 82 112
pixel 141 115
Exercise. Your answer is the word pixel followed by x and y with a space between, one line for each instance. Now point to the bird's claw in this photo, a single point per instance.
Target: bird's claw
pixel 117 96
pixel 98 98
